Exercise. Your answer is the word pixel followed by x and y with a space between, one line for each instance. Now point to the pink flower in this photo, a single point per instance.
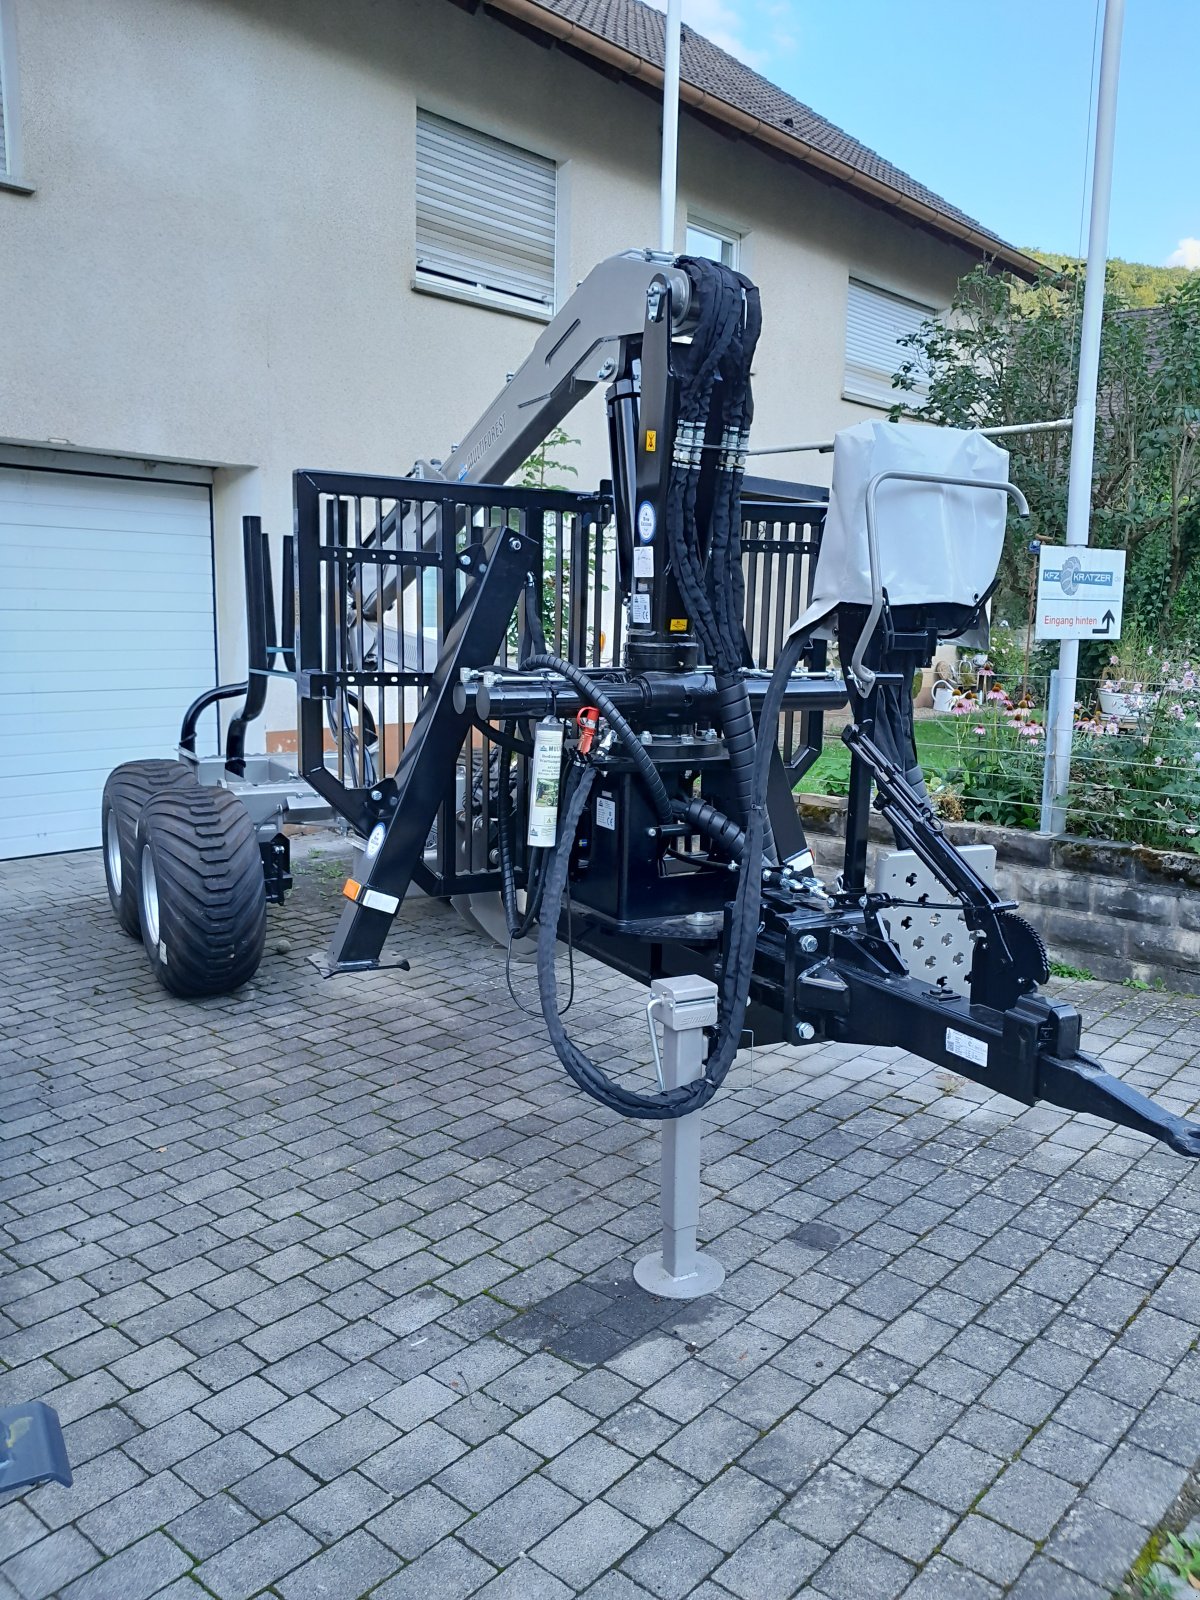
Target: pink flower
pixel 982 732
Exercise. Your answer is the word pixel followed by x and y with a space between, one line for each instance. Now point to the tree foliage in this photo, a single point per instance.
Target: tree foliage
pixel 1008 353
pixel 1135 283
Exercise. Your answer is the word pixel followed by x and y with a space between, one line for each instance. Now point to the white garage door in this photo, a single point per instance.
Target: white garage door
pixel 106 634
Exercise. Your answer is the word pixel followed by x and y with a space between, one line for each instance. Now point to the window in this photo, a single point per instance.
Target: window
pixel 10 132
pixel 11 176
pixel 875 323
pixel 485 218
pixel 712 244
pixel 3 140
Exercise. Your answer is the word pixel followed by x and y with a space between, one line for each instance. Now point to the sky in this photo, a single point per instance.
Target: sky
pixel 990 105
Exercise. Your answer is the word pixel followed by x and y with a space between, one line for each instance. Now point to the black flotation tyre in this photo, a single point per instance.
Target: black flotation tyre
pixel 201 894
pixel 127 790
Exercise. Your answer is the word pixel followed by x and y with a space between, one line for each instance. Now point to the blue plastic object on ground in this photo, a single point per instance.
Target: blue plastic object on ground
pixel 32 1448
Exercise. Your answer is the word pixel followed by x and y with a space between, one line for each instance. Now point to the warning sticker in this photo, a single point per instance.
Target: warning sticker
pixel 643 561
pixel 964 1046
pixel 651 441
pixel 678 625
pixel 639 609
pixel 606 811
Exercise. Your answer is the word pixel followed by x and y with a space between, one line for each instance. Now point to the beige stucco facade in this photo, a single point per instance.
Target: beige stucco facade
pixel 215 264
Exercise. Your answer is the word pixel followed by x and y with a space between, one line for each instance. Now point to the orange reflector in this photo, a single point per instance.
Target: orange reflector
pixel 351 889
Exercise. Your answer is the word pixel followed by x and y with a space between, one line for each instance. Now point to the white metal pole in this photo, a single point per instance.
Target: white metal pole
pixel 1083 434
pixel 670 131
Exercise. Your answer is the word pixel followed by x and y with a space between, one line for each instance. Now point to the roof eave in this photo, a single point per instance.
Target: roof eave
pixel 575 34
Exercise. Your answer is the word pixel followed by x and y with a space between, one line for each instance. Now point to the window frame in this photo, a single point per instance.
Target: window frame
pixel 12 173
pixel 905 398
pixel 492 298
pixel 696 221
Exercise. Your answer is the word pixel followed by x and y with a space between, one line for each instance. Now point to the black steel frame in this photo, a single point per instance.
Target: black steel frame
pixel 264 646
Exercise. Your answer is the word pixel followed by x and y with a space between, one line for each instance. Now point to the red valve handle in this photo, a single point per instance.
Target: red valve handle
pixel 587 720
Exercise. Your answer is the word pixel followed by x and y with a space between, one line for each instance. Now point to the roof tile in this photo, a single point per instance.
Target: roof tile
pixel 640 29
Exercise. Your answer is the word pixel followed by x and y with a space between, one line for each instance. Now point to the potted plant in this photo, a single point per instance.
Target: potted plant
pixel 1124 690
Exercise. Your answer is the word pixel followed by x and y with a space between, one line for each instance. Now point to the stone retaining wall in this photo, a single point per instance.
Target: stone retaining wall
pixel 1119 910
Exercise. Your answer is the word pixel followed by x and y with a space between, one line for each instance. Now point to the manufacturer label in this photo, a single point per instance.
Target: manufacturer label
pixel 375 838
pixel 639 609
pixel 546 774
pixel 651 441
pixel 643 561
pixel 647 521
pixel 606 812
pixel 678 625
pixel 967 1048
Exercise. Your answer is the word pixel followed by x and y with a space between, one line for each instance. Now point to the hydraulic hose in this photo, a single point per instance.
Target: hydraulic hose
pixel 704 817
pixel 739 955
pixel 714 825
pixel 737 725
pixel 707 570
pixel 634 748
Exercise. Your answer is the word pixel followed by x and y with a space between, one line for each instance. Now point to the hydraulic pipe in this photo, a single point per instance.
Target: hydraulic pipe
pixel 682 696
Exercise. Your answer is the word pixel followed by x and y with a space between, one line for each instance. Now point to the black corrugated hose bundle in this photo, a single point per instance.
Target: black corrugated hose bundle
pixel 723 341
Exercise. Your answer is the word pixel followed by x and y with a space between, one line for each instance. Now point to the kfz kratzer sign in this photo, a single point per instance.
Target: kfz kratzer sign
pixel 1080 592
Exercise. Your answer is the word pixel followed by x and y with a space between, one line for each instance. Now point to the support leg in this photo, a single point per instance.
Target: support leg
pixel 679 1271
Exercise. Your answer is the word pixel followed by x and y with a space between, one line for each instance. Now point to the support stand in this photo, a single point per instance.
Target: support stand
pixel 679 1271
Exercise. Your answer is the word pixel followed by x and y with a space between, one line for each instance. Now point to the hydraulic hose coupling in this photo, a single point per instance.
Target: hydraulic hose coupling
pixel 587 720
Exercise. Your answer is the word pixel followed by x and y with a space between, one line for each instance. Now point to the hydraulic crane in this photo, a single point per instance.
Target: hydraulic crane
pixel 648 790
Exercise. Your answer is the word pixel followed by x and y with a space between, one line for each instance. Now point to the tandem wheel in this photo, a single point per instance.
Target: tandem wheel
pixel 202 901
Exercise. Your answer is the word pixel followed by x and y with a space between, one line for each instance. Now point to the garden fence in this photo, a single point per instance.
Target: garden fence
pixel 1135 764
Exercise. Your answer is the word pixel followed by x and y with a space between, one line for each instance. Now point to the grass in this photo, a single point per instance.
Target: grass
pixel 937 750
pixel 1064 969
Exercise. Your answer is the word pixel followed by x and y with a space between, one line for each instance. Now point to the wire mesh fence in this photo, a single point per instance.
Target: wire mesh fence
pixel 1135 767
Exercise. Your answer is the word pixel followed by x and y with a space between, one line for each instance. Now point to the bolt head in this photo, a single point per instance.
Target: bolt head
pixel 806 1031
pixel 808 944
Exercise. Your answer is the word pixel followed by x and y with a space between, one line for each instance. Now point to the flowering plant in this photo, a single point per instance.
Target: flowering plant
pixel 1139 780
pixel 995 763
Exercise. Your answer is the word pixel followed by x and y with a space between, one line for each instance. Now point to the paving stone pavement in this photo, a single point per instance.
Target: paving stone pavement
pixel 329 1282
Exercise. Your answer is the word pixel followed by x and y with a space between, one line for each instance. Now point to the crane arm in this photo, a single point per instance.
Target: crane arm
pixel 585 344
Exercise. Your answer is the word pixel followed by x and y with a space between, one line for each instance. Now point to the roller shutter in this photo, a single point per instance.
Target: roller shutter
pixel 106 635
pixel 485 213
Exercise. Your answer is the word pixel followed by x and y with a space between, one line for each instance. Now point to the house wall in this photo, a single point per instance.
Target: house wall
pixel 216 263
